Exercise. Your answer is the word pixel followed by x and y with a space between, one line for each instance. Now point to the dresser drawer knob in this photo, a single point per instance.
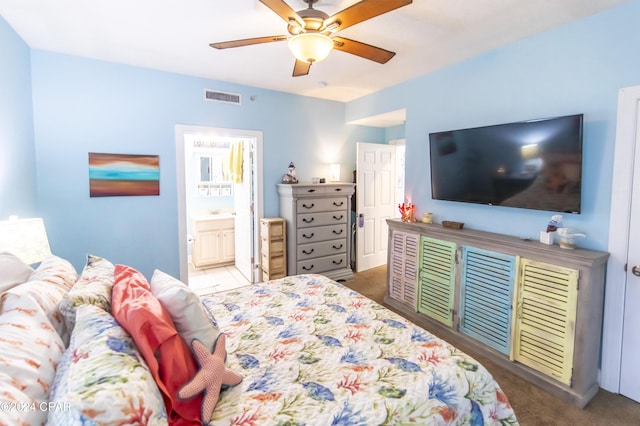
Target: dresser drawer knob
pixel 305 220
pixel 337 232
pixel 308 206
pixel 335 262
pixel 335 247
pixel 308 252
pixel 338 217
pixel 338 204
pixel 307 268
pixel 308 236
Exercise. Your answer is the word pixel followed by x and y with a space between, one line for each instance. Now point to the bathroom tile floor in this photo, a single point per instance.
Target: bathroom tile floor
pixel 215 280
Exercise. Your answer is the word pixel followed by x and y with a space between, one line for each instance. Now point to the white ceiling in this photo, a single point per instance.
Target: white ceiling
pixel 174 35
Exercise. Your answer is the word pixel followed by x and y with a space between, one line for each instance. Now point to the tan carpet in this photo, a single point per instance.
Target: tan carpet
pixel 533 406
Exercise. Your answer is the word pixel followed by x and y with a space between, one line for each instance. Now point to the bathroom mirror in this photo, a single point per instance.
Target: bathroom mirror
pixel 213 178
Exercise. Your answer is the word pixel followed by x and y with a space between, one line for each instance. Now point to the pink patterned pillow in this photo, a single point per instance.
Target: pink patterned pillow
pixel 55 270
pixel 46 287
pixel 29 355
pixel 46 295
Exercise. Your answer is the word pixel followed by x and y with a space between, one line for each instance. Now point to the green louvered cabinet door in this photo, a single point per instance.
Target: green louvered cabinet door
pixel 544 326
pixel 486 287
pixel 403 267
pixel 436 279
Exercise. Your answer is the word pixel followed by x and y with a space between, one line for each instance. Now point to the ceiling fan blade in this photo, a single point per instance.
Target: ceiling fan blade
pixel 283 10
pixel 246 42
pixel 301 68
pixel 363 50
pixel 362 11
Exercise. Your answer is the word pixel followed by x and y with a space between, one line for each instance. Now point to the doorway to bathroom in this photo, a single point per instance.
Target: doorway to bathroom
pixel 219 182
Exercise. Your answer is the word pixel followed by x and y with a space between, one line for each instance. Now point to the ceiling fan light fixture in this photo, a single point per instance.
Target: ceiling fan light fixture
pixel 310 47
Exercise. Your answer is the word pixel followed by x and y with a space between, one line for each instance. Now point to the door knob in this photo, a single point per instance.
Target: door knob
pixel 636 270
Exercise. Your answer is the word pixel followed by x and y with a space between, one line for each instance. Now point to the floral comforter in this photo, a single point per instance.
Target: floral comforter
pixel 313 352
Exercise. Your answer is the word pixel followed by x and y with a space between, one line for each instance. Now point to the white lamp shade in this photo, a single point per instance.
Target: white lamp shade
pixel 25 238
pixel 530 151
pixel 310 47
pixel 334 172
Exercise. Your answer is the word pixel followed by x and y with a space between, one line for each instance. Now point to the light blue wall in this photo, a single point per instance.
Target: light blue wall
pixel 83 105
pixel 577 68
pixel 17 158
pixel 395 132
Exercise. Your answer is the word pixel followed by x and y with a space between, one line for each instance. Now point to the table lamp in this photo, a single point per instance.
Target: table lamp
pixel 25 238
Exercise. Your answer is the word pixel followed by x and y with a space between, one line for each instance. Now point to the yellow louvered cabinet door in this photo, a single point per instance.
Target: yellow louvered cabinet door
pixel 436 279
pixel 545 320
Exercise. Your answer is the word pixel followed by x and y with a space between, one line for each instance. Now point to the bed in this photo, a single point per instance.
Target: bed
pixel 313 351
pixel 310 351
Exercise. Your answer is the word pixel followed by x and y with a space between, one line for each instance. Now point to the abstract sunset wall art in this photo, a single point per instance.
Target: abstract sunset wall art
pixel 113 175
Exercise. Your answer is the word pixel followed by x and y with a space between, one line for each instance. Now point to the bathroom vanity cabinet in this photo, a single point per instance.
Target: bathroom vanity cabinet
pixel 214 241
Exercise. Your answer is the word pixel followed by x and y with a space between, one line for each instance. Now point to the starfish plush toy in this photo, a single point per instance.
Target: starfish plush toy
pixel 212 375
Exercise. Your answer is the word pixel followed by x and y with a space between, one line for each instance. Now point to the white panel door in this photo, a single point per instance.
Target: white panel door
pixel 375 202
pixel 630 367
pixel 244 209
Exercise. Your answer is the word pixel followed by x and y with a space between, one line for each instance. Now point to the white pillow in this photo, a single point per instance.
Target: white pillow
pixel 13 271
pixel 186 310
pixel 46 295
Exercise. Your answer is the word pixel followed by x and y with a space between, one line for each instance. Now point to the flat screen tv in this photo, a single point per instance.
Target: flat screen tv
pixel 534 164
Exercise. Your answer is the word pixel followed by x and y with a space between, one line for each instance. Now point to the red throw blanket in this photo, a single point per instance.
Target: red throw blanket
pixel 169 358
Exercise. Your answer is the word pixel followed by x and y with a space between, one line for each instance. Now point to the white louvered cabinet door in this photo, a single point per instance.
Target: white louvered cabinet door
pixel 403 267
pixel 545 318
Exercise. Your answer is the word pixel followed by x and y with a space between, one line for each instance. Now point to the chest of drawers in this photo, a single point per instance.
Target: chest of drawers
pixel 318 218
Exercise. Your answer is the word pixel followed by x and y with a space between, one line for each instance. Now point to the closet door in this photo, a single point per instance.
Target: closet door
pixel 403 267
pixel 545 321
pixel 486 287
pixel 437 279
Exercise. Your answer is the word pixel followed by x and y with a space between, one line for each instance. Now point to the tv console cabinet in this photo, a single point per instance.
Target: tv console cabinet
pixel 532 308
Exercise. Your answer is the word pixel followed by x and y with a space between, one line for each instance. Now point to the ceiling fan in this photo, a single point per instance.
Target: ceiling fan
pixel 311 32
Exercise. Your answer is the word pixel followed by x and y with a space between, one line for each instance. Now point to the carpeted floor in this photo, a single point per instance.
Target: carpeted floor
pixel 533 406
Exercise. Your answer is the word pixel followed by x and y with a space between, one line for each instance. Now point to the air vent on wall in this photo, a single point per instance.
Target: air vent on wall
pixel 224 97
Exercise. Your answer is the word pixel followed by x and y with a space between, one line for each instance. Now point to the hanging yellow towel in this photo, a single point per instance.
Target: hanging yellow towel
pixel 235 161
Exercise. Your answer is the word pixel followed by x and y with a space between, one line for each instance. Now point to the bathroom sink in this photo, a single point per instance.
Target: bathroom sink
pixel 215 216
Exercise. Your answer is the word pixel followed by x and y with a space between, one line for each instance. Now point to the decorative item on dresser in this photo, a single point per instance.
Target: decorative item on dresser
pixel 318 220
pixel 534 309
pixel 273 248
